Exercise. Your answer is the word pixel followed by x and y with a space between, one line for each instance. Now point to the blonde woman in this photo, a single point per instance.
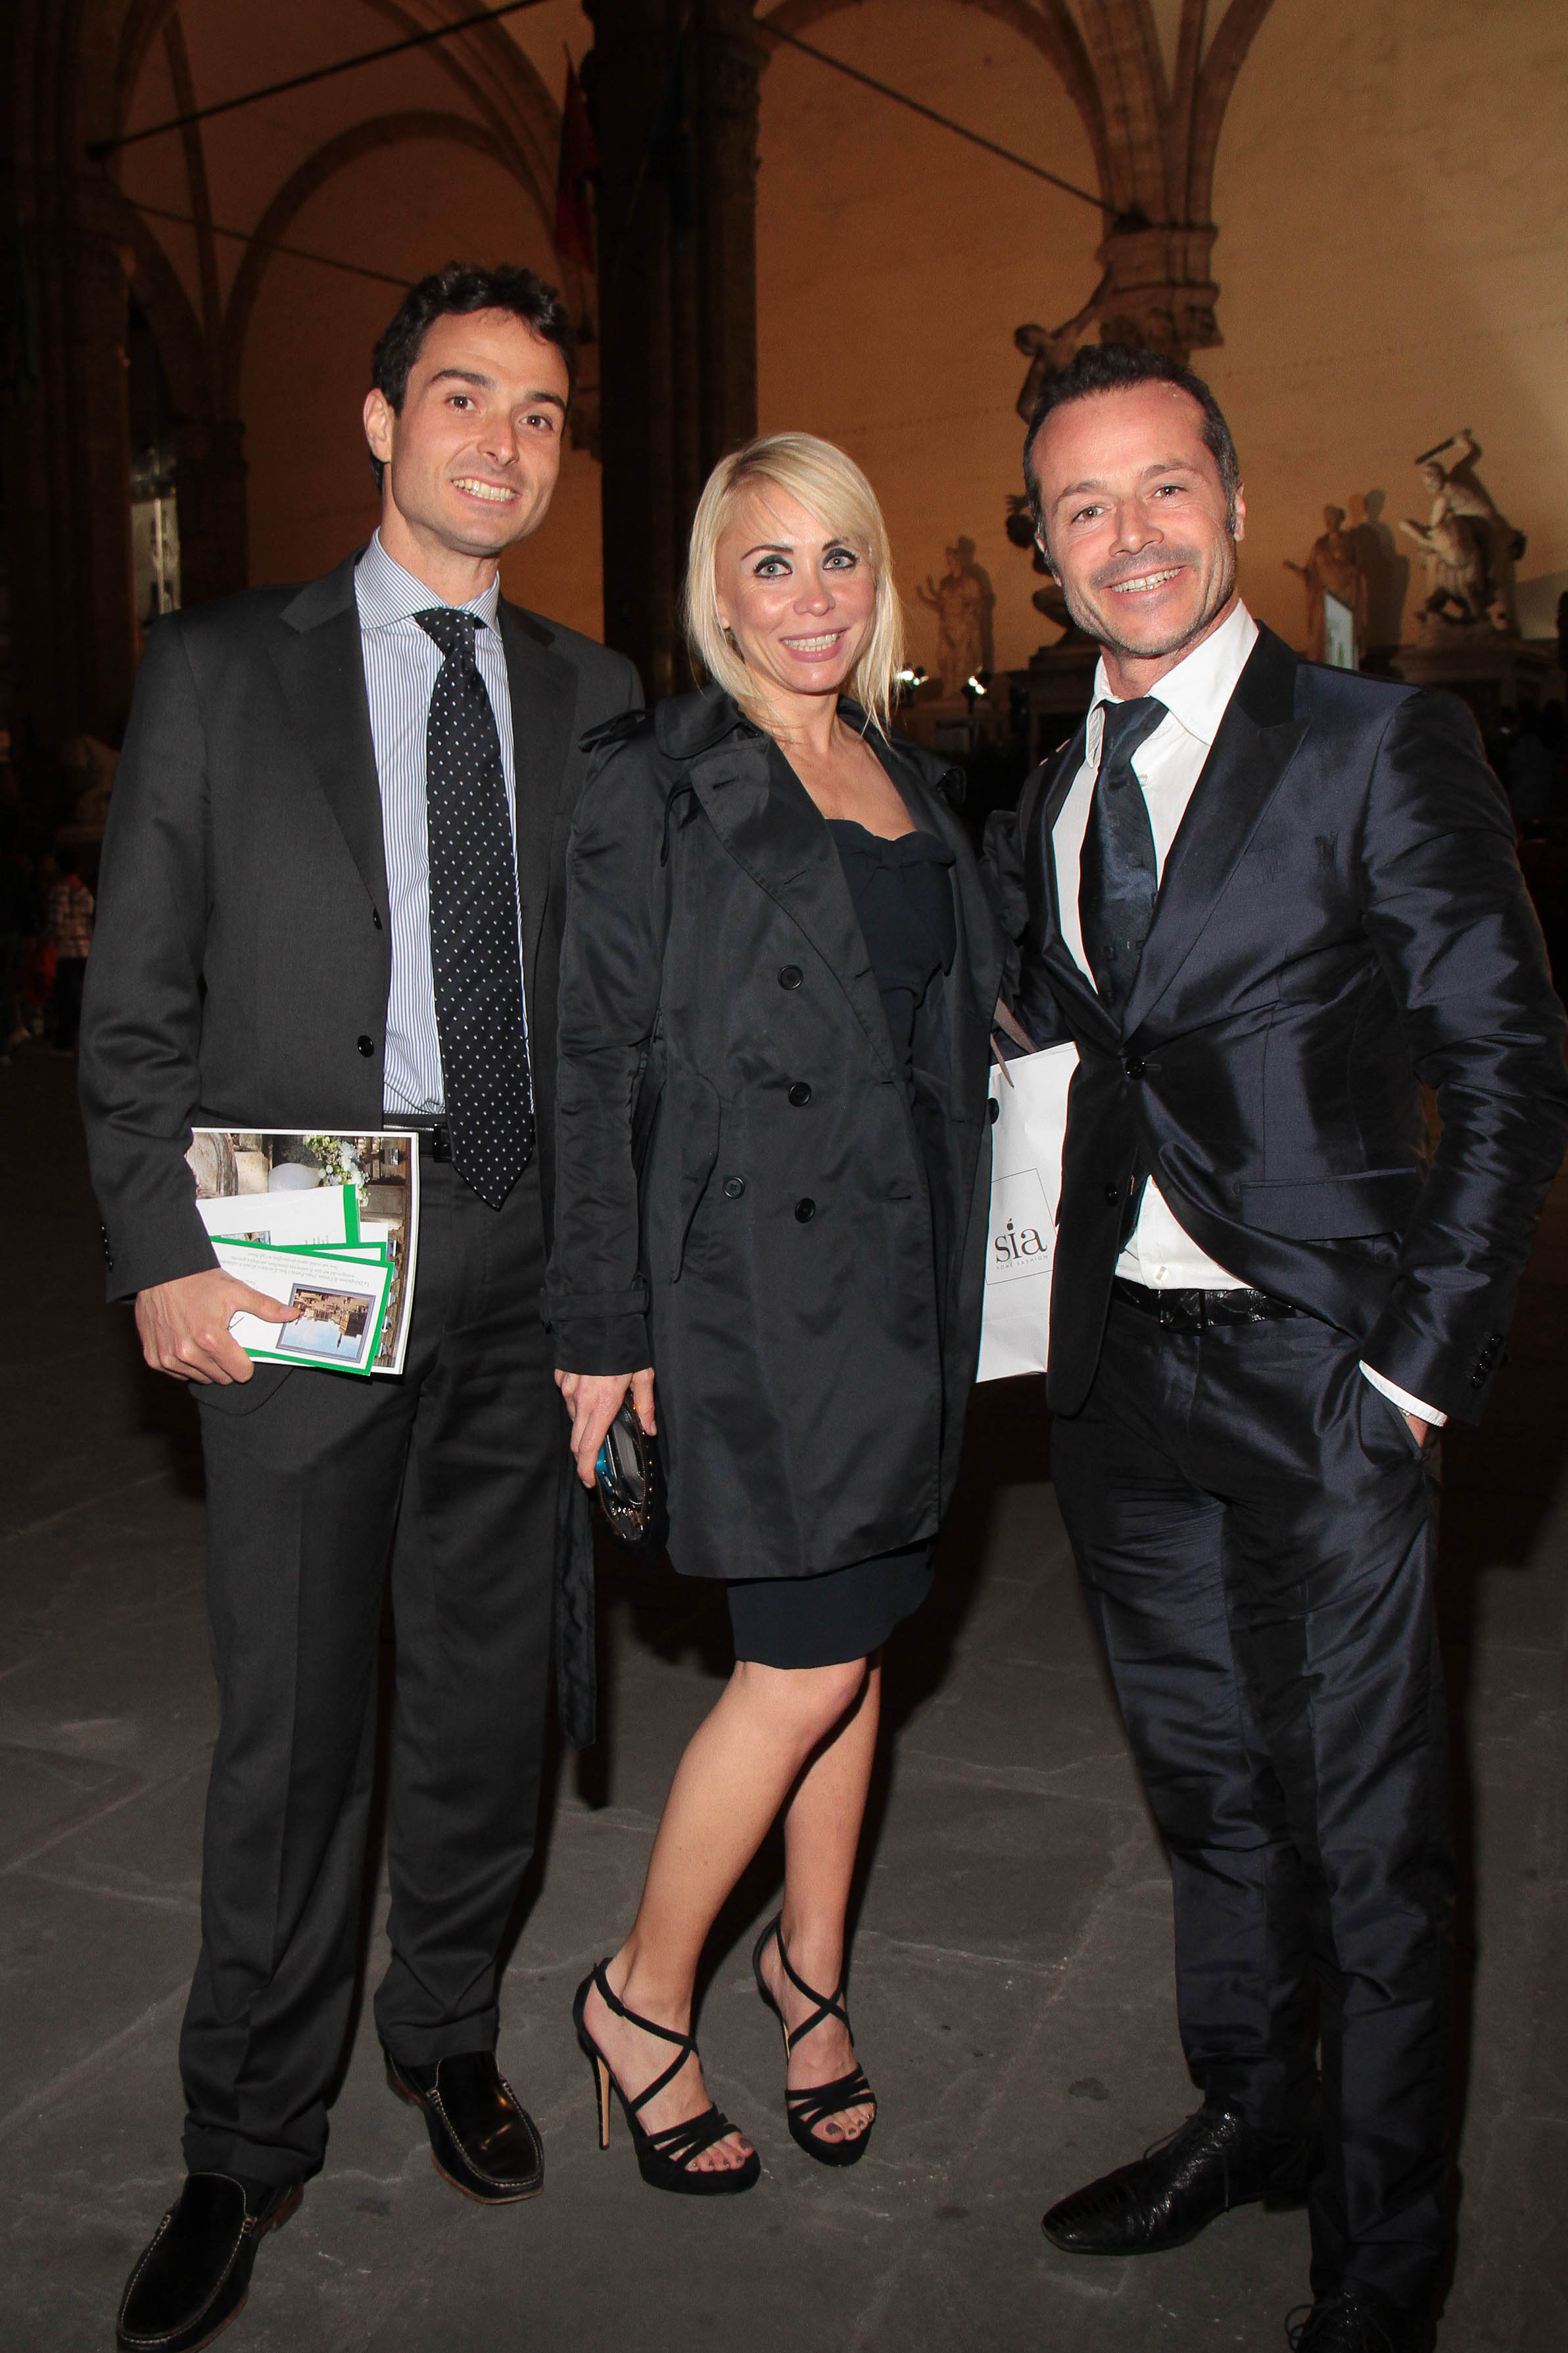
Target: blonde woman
pixel 778 969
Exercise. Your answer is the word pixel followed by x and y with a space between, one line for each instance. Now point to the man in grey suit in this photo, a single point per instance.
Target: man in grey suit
pixel 330 898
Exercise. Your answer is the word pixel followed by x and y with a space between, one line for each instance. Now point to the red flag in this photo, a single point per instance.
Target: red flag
pixel 579 160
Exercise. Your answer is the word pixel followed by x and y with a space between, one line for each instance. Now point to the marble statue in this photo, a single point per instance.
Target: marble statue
pixel 962 602
pixel 1467 547
pixel 1333 568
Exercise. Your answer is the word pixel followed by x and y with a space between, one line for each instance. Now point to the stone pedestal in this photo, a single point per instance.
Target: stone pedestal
pixel 1486 669
pixel 676 293
pixel 1061 687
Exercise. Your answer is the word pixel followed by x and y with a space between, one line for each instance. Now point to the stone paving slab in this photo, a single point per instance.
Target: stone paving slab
pixel 1012 1985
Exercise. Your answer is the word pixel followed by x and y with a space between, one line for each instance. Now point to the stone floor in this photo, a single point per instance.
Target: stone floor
pixel 1013 1975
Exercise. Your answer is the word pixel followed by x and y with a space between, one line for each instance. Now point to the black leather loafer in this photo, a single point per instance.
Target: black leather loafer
pixel 1359 2319
pixel 1213 2162
pixel 194 2275
pixel 482 2139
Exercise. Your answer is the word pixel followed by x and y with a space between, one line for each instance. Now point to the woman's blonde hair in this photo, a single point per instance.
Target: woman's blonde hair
pixel 831 487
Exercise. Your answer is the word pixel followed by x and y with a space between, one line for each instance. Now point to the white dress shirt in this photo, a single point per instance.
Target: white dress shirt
pixel 401 664
pixel 1160 1253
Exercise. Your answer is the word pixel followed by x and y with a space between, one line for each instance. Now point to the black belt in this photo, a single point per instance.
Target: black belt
pixel 435 1139
pixel 1195 1311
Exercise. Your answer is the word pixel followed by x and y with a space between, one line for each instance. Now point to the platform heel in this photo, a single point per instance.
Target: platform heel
pixel 664 2159
pixel 805 2109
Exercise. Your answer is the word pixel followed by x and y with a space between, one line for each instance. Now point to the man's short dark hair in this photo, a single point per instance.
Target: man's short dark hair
pixel 1117 367
pixel 460 288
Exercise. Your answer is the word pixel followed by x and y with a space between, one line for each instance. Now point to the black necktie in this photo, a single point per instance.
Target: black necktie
pixel 1118 875
pixel 474 956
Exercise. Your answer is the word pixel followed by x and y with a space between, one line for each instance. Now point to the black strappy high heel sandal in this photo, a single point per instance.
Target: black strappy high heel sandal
pixel 805 2110
pixel 664 2159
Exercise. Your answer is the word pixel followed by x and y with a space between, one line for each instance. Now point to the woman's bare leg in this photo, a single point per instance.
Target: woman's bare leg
pixel 739 1767
pixel 822 1838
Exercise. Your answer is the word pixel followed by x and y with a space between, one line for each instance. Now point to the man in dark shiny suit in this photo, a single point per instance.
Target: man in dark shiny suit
pixel 1268 903
pixel 330 898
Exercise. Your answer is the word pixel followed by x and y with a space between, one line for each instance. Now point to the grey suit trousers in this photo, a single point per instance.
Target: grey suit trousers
pixel 314 1480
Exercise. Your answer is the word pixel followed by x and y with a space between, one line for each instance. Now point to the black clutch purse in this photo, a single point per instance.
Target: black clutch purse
pixel 629 1477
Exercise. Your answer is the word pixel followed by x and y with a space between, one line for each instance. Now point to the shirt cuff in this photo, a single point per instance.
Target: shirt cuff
pixel 1405 1401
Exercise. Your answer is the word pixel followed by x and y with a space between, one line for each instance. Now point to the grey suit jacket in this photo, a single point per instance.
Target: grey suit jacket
pixel 242 955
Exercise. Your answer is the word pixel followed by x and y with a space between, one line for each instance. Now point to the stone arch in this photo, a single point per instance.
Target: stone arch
pixel 1049 27
pixel 1227 56
pixel 496 77
pixel 348 147
pixel 160 289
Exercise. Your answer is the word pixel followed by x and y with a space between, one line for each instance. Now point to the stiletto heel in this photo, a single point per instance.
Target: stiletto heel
pixel 664 2159
pixel 805 2110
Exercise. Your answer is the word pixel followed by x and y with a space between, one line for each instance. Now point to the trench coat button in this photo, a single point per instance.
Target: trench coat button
pixel 1135 1068
pixel 791 977
pixel 734 1187
pixel 995 1110
pixel 805 1211
pixel 1113 1194
pixel 800 1094
pixel 367 1047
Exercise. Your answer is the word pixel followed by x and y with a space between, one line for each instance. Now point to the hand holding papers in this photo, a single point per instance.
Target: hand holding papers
pixel 328 1223
pixel 339 1297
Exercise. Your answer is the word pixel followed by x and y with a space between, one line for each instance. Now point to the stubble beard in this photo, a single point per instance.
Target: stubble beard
pixel 1096 624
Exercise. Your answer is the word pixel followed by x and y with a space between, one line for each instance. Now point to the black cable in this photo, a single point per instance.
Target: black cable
pixel 100 148
pixel 295 253
pixel 901 98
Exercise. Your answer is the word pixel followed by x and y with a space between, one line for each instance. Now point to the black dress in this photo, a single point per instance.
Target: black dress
pixel 904 898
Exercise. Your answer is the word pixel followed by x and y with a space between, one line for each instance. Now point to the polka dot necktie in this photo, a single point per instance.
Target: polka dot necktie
pixel 1118 874
pixel 474 953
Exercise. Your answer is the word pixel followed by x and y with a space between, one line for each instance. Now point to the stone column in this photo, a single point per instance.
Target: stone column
pixel 68 475
pixel 1160 293
pixel 676 296
pixel 209 492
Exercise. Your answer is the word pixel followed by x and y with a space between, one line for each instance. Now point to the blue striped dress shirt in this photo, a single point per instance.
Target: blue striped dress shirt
pixel 401 662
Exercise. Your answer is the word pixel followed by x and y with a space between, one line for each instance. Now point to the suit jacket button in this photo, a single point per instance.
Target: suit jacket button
pixel 367 1047
pixel 800 1094
pixel 995 1108
pixel 791 977
pixel 1112 1195
pixel 805 1210
pixel 734 1187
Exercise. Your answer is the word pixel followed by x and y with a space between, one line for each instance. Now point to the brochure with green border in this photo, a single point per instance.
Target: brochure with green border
pixel 308 1189
pixel 342 1300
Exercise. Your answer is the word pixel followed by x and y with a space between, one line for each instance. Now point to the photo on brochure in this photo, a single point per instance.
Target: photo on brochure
pixel 295 1189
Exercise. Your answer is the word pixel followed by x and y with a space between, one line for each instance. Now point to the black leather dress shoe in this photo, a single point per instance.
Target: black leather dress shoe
pixel 482 2139
pixel 1358 2319
pixel 194 2274
pixel 1216 2160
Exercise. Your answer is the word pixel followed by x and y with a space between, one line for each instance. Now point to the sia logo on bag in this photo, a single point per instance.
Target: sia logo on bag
pixel 1022 1231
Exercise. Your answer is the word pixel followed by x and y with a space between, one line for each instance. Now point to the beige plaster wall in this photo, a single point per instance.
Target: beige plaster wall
pixel 1391 195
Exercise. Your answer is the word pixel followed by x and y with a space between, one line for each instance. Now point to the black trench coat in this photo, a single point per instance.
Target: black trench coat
pixel 740 1198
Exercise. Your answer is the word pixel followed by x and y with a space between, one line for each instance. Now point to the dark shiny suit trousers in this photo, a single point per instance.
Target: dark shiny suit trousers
pixel 1255 1530
pixel 313 1481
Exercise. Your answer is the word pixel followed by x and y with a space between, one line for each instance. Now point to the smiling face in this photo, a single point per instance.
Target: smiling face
pixel 472 457
pixel 1136 525
pixel 799 603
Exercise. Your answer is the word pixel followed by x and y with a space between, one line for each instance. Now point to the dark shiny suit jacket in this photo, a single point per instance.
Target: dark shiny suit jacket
pixel 1340 921
pixel 242 957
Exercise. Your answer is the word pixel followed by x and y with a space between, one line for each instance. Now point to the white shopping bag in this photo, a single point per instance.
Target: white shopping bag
pixel 1025 1186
